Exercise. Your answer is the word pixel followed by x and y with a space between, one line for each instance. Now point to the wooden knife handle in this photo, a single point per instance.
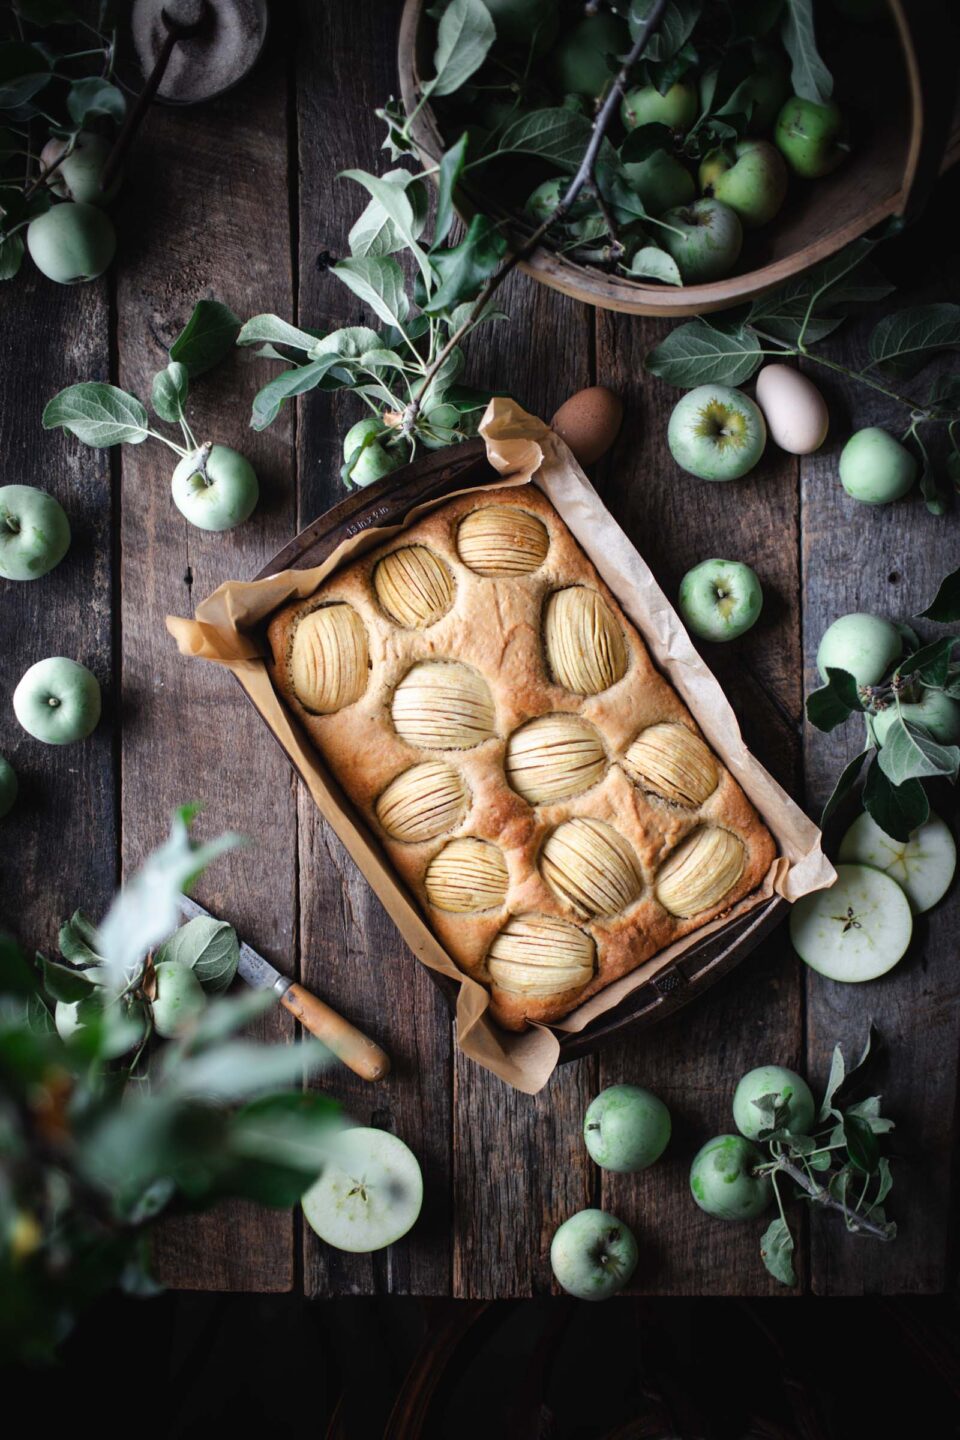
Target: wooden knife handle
pixel 348 1043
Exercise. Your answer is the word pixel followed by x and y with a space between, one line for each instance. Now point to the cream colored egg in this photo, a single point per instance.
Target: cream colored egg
pixel 794 409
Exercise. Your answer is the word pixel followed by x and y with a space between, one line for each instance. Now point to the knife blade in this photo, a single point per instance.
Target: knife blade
pixel 356 1050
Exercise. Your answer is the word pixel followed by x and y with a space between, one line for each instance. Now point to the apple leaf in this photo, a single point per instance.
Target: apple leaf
pixel 674 30
pixel 295 381
pixel 274 331
pixel 897 809
pixel 696 354
pixel 655 264
pixel 862 1145
pixel 464 36
pixel 11 256
pixel 809 75
pixel 834 702
pixel 98 414
pixel 207 338
pixel 909 753
pixel 945 606
pixel 168 394
pixel 848 778
pixel 931 663
pixel 645 141
pixel 451 167
pixel 908 339
pixel 558 135
pixel 776 1252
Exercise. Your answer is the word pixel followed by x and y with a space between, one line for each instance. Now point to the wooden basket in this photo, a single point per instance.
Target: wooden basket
pixel 387 502
pixel 909 132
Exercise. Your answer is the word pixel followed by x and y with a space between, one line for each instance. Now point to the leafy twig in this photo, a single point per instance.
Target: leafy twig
pixel 819 1195
pixel 583 176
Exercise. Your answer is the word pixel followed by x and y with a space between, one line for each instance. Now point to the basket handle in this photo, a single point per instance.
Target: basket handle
pixel 931 47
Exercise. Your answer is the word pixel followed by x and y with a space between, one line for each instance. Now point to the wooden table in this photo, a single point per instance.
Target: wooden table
pixel 238 200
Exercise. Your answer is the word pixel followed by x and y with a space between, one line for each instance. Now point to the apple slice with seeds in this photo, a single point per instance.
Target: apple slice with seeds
pixel 923 866
pixel 856 930
pixel 369 1194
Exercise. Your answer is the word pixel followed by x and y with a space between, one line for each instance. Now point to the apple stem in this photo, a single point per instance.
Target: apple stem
pixel 821 1196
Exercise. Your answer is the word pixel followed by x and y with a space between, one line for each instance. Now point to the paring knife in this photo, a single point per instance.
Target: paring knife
pixel 348 1043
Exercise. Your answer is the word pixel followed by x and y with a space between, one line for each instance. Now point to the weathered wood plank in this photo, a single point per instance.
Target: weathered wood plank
pixel 59 843
pixel 754 1017
pixel 887 561
pixel 352 953
pixel 520 1168
pixel 205 213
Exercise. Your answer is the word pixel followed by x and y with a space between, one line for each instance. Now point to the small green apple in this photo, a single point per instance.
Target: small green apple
pixel 790 1089
pixel 863 645
pixel 723 1182
pixel 716 432
pixel 580 59
pixel 58 701
pixel 8 786
pixel 752 180
pixel 593 1255
pixel 215 488
pixel 934 712
pixel 78 176
pixel 71 243
pixel 544 200
pixel 720 599
pixel 661 181
pixel 808 137
pixel 626 1128
pixel 34 532
pixel 704 240
pixel 677 107
pixel 875 468
pixel 179 999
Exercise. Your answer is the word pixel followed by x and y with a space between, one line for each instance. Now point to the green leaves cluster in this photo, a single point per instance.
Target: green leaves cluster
pixel 840 1166
pixel 47 91
pixel 728 349
pixel 102 415
pixel 894 791
pixel 390 367
pixel 96 1145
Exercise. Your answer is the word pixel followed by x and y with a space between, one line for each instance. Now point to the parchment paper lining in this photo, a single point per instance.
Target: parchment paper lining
pixel 523 450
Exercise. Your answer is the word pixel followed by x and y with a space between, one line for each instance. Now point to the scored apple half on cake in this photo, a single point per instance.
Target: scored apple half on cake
pixel 539 786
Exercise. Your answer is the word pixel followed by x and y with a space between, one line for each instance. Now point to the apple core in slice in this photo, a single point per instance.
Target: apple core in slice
pixel 857 930
pixel 923 866
pixel 369 1194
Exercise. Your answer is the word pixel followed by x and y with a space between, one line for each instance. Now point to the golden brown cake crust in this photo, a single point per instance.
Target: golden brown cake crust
pixel 495 627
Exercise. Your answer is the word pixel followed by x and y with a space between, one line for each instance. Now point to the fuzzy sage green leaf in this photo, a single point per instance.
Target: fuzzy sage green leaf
pixel 696 354
pixel 207 338
pixel 464 36
pixel 168 394
pixel 98 414
pixel 809 75
pixel 206 946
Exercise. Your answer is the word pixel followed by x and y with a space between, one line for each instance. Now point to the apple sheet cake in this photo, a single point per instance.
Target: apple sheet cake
pixel 536 782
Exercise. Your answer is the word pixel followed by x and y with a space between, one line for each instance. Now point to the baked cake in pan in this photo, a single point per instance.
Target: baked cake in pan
pixel 539 786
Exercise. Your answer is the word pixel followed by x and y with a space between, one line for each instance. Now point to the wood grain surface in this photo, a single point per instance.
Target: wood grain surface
pixel 239 200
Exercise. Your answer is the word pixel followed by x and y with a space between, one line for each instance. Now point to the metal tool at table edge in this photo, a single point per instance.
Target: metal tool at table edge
pixel 356 1050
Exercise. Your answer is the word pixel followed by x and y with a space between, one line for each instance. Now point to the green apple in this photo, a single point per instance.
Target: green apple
pixel 34 532
pixel 661 181
pixel 215 488
pixel 677 107
pixel 791 1091
pixel 720 599
pixel 541 205
pixel 593 1255
pixel 723 1180
pixel 78 176
pixel 855 931
pixel 58 701
pixel 876 468
pixel 580 59
pixel 8 786
pixel 863 645
pixel 518 21
pixel 935 712
pixel 922 866
pixel 705 239
pixel 179 999
pixel 626 1128
pixel 370 1192
pixel 752 180
pixel 808 137
pixel 716 433
pixel 71 243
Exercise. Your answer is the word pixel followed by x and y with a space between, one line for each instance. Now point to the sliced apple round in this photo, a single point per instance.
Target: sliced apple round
pixel 856 930
pixel 923 866
pixel 369 1194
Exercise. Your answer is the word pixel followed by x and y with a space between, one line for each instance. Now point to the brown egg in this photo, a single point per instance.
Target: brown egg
pixel 589 422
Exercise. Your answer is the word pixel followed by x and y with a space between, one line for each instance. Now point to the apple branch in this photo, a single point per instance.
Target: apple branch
pixel 819 1195
pixel 584 176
